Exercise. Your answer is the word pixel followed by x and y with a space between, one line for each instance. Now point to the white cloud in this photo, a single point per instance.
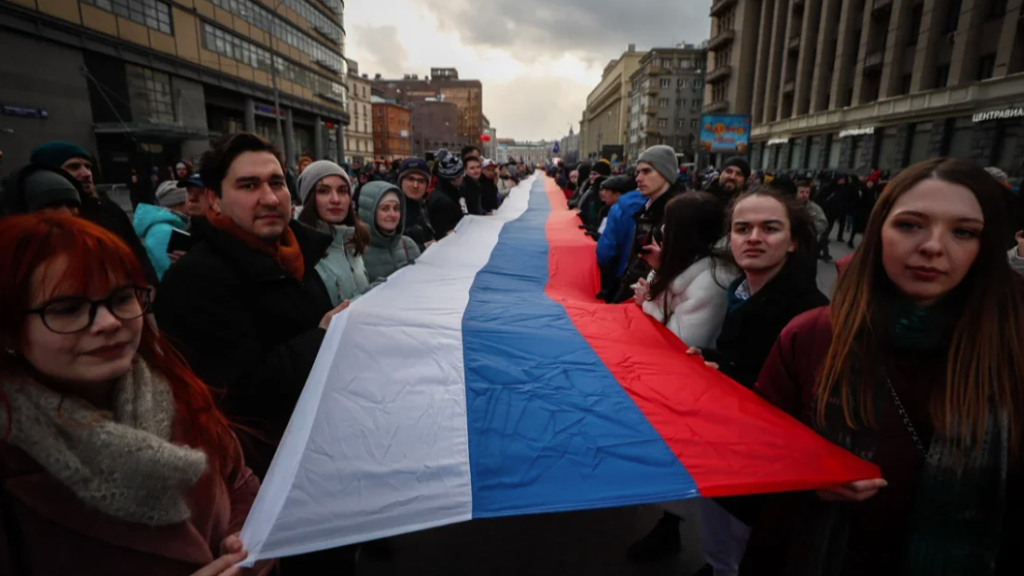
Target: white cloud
pixel 537 60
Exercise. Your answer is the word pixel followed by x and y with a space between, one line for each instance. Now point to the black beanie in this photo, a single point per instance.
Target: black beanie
pixel 785 185
pixel 603 167
pixel 739 162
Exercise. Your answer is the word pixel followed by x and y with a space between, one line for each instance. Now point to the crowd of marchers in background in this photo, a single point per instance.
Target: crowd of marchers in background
pixel 150 359
pixel 917 363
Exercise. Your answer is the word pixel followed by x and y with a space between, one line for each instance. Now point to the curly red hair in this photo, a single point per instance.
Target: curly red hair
pixel 96 262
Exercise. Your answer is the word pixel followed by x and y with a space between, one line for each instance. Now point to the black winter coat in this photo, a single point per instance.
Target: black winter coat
pixel 648 223
pixel 417 222
pixel 488 195
pixel 247 328
pixel 443 208
pixel 472 193
pixel 751 328
pixel 109 215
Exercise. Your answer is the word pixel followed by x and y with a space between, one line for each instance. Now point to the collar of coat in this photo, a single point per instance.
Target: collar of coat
pixel 260 266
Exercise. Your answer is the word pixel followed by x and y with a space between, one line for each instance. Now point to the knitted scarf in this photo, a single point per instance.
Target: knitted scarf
pixel 286 250
pixel 958 515
pixel 122 463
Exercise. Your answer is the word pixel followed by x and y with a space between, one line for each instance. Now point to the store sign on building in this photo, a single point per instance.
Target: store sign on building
pixel 778 141
pixel 265 110
pixel 23 112
pixel 998 115
pixel 857 132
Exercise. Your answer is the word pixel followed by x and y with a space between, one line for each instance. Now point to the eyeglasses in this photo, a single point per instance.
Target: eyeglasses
pixel 417 181
pixel 74 314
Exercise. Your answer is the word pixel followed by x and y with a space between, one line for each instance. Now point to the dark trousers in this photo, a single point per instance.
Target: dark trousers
pixel 333 562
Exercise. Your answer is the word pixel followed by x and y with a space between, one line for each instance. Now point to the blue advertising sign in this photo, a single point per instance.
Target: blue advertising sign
pixel 25 112
pixel 724 134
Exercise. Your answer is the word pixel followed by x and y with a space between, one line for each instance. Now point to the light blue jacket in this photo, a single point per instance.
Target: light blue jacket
pixel 153 225
pixel 613 246
pixel 341 269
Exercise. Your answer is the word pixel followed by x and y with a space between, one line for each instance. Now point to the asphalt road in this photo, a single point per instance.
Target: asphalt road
pixel 827 270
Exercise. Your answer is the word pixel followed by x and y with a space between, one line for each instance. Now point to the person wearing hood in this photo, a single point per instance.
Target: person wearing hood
pixel 582 182
pixel 414 179
pixel 74 160
pixel 383 205
pixel 39 187
pixel 590 204
pixel 444 206
pixel 326 193
pixel 489 199
pixel 156 224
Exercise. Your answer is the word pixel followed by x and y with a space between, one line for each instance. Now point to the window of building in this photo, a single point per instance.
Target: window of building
pixel 694 123
pixel 666 82
pixel 666 62
pixel 662 102
pixel 150 95
pixel 942 76
pixel 916 16
pixel 681 123
pixel 833 152
pixel 156 15
pixel 685 64
pixel 920 143
pixel 996 9
pixel 682 82
pixel 905 83
pixel 986 66
pixel 662 122
pixel 698 82
pixel 953 16
pixel 680 102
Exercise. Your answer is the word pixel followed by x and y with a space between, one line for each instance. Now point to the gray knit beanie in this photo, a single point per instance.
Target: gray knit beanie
pixel 316 172
pixel 46 189
pixel 170 194
pixel 663 159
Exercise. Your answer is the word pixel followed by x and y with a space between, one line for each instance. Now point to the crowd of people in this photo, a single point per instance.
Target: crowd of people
pixel 150 364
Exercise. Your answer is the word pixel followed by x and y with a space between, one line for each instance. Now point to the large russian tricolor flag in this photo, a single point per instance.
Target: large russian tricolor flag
pixel 486 380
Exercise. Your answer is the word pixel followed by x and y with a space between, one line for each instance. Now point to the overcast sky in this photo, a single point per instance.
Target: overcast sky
pixel 537 59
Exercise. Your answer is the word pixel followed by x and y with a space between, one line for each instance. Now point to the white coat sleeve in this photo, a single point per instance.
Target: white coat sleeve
pixel 697 318
pixel 1016 262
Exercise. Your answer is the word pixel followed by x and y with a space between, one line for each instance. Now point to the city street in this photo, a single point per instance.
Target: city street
pixel 827 270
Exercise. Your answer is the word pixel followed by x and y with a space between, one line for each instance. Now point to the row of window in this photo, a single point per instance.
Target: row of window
pixel 151 13
pixel 316 18
pixel 150 94
pixel 266 20
pixel 236 48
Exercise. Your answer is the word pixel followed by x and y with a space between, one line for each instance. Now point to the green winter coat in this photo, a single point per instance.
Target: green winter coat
pixel 341 269
pixel 387 252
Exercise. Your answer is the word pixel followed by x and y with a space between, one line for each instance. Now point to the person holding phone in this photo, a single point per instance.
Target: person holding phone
pixel 155 225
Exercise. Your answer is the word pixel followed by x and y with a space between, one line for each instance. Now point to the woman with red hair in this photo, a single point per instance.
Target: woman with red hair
pixel 114 458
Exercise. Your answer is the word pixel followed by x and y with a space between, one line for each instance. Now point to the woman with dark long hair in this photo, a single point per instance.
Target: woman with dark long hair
pixel 916 366
pixel 115 458
pixel 686 289
pixel 326 192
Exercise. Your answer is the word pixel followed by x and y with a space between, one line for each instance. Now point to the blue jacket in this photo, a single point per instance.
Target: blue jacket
pixel 618 231
pixel 153 225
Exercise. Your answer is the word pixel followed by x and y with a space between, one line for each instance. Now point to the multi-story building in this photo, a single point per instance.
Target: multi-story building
pixel 147 82
pixel 665 99
pixel 391 124
pixel 488 140
pixel 433 126
pixel 532 153
pixel 443 84
pixel 862 84
pixel 604 127
pixel 359 135
pixel 570 147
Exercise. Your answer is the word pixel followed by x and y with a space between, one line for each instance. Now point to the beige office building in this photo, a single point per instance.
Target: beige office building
pixel 359 135
pixel 665 100
pixel 862 84
pixel 604 128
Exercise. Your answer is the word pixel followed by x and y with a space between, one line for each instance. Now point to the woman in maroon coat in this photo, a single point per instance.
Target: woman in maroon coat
pixel 114 458
pixel 917 366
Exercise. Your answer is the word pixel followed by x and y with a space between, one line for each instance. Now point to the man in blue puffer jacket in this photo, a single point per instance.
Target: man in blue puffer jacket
pixel 613 246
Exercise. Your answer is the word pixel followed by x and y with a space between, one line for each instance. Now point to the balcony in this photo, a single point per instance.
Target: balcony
pixel 719 6
pixel 722 39
pixel 874 59
pixel 650 130
pixel 655 70
pixel 720 73
pixel 653 90
pixel 720 106
pixel 651 111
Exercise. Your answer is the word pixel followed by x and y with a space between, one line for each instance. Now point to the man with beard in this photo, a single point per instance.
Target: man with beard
pixel 74 160
pixel 732 180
